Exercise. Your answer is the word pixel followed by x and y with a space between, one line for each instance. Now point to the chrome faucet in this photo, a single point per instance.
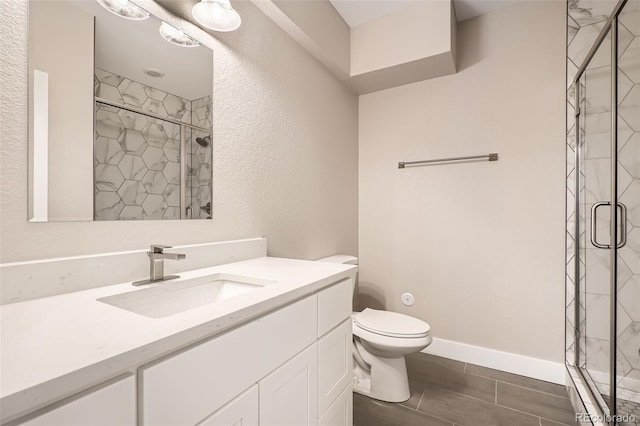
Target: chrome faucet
pixel 157 257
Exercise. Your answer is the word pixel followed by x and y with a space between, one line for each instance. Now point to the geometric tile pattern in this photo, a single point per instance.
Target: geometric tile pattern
pixel 198 175
pixel 137 158
pixel 199 170
pixel 584 22
pixel 122 90
pixel 131 166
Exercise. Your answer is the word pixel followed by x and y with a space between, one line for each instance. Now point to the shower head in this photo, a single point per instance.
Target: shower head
pixel 204 141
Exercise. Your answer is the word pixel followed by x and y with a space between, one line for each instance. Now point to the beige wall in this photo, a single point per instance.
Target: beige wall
pixel 322 24
pixel 416 32
pixel 480 245
pixel 285 154
pixel 70 113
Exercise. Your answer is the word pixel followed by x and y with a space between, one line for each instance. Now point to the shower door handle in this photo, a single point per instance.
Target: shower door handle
pixel 623 225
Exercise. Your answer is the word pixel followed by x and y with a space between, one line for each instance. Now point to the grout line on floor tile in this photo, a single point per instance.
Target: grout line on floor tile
pixel 524 412
pixel 495 399
pixel 424 412
pixel 531 389
pixel 436 417
pixel 540 421
pixel 477 399
pixel 554 421
pixel 421 396
pixel 513 384
pixel 462 394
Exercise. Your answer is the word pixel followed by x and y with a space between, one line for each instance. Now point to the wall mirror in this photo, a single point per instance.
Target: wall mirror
pixel 120 117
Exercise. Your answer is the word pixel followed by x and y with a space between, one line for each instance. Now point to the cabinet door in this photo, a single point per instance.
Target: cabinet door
pixel 289 395
pixel 340 413
pixel 335 370
pixel 241 411
pixel 111 405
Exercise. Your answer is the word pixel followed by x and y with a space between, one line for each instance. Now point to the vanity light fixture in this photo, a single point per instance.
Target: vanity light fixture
pixel 125 9
pixel 176 36
pixel 217 15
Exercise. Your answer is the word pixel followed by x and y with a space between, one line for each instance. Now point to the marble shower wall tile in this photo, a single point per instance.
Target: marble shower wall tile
pixel 586 12
pixel 137 158
pixel 202 112
pixel 129 177
pixel 199 172
pixel 122 90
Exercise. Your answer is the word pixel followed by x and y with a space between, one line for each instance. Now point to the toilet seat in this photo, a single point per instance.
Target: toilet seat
pixel 391 324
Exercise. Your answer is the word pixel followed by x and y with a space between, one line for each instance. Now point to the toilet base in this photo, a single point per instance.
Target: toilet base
pixel 386 381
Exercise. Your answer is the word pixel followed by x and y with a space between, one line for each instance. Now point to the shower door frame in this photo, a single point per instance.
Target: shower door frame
pixel 611 26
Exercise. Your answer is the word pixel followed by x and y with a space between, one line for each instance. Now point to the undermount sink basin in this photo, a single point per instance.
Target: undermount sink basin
pixel 174 297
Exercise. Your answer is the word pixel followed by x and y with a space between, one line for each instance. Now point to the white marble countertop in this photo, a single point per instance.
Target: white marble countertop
pixel 56 346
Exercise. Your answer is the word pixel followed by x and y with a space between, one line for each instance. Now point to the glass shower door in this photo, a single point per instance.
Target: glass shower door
pixel 594 208
pixel 628 192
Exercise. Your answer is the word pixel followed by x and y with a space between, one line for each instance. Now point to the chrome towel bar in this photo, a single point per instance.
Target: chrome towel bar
pixel 490 157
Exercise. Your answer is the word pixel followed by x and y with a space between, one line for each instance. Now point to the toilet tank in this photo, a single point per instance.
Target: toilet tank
pixel 340 258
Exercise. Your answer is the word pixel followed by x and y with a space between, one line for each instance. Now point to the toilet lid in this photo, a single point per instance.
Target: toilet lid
pixel 391 324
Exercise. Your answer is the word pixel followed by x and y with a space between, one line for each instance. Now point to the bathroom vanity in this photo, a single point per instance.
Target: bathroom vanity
pixel 278 354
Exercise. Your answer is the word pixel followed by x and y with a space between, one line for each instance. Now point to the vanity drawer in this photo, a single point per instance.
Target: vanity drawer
pixel 334 364
pixel 334 305
pixel 187 387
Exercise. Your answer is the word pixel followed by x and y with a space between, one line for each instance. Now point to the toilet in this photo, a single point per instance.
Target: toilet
pixel 381 340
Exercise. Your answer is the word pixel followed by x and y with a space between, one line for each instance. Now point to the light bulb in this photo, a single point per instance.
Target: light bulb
pixel 176 36
pixel 125 9
pixel 217 15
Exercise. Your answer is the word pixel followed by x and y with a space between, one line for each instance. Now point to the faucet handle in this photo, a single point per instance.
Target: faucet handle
pixel 158 248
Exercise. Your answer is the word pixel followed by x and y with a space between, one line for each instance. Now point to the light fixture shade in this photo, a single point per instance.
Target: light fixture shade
pixel 217 15
pixel 176 36
pixel 125 9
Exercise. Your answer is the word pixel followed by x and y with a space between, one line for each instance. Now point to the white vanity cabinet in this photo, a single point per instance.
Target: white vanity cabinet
pixel 299 356
pixel 289 367
pixel 187 387
pixel 113 404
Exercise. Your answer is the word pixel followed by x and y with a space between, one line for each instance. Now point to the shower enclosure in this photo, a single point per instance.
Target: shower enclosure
pixel 603 250
pixel 149 166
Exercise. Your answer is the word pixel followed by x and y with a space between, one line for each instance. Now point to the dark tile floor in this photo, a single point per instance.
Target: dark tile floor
pixel 445 392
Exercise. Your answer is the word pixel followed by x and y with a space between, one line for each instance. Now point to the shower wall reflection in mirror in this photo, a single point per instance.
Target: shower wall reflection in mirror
pixel 120 118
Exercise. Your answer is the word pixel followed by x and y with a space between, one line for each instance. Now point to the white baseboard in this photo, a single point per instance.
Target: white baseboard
pixel 536 368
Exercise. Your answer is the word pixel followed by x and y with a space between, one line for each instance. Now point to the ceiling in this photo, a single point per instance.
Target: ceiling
pixel 356 12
